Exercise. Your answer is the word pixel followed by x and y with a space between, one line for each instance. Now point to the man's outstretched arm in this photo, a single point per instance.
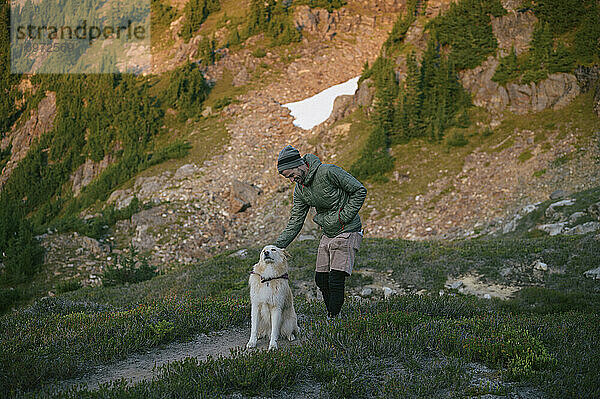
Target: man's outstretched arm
pixel 297 216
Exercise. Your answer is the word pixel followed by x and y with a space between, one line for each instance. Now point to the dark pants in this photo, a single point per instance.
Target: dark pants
pixel 332 285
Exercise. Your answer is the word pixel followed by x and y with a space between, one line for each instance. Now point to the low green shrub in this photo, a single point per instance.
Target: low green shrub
pixel 129 268
pixel 259 52
pixel 222 102
pixel 494 341
pixel 457 139
pixel 329 5
pixel 544 300
pixel 9 297
pixel 68 286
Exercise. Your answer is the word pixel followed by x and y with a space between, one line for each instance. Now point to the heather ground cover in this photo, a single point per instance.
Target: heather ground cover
pixel 408 346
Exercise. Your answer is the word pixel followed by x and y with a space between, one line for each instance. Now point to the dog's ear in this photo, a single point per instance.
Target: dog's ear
pixel 286 253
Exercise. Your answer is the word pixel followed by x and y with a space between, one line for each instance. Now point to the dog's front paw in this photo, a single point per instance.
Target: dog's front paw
pixel 273 345
pixel 251 344
pixel 292 337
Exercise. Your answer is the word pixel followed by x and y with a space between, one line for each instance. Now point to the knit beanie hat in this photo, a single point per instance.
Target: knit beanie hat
pixel 288 158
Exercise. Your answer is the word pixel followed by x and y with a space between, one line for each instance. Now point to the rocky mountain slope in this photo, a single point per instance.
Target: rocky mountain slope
pixel 236 199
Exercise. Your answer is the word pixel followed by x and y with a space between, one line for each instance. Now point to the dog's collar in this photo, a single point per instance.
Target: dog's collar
pixel 264 280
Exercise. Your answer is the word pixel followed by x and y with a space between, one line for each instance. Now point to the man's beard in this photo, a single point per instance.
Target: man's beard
pixel 300 178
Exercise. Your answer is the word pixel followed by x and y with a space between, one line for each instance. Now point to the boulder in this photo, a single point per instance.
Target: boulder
pixel 93 246
pixel 512 225
pixel 558 194
pixel 242 196
pixel 574 217
pixel 241 78
pixel 120 198
pixel 555 92
pixel 551 211
pixel 587 77
pixel 486 93
pixel 455 285
pixel 316 20
pixel 539 265
pixel 388 292
pixel 593 273
pixel 148 186
pixel 342 106
pixel 208 111
pixel 242 254
pixel 553 229
pixel 584 228
pixel 594 210
pixel 186 171
pixel 304 19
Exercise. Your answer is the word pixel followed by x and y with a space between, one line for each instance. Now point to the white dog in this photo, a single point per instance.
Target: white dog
pixel 271 298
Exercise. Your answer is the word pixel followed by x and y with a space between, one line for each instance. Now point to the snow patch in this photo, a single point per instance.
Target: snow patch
pixel 314 110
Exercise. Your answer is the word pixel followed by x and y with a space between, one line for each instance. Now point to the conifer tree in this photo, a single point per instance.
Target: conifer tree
pixel 413 97
pixel 587 37
pixel 207 50
pixel 234 37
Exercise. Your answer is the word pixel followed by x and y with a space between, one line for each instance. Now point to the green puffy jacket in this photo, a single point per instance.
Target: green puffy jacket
pixel 336 195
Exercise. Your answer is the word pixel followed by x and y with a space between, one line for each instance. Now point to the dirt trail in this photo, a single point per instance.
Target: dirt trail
pixel 145 366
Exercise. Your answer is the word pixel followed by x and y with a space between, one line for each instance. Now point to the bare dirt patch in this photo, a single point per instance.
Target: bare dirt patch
pixel 472 284
pixel 146 366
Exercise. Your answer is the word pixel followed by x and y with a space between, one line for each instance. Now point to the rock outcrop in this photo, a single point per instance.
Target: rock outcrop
pixel 346 104
pixel 556 91
pixel 87 172
pixel 41 121
pixel 485 92
pixel 588 78
pixel 437 7
pixel 322 22
pixel 514 30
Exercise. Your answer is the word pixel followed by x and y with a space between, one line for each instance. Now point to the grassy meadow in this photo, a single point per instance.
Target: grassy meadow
pixel 544 340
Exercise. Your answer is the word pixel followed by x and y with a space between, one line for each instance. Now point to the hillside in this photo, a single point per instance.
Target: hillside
pixel 132 207
pixel 197 204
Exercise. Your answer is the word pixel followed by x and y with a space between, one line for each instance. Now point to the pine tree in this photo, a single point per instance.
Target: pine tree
pixel 587 38
pixel 413 98
pixel 22 254
pixel 234 37
pixel 206 49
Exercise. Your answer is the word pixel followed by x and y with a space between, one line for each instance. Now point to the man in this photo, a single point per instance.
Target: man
pixel 337 197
